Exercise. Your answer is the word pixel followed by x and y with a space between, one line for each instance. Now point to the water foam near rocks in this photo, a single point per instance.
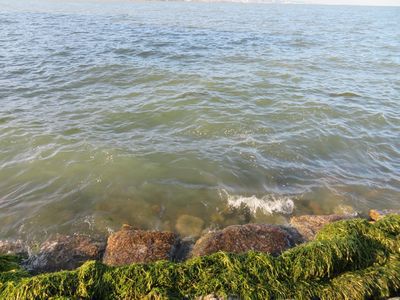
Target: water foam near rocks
pixel 268 204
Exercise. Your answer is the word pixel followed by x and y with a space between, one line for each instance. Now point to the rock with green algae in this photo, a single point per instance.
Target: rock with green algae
pixel 376 214
pixel 242 238
pixel 65 252
pixel 309 225
pixel 129 245
pixel 350 259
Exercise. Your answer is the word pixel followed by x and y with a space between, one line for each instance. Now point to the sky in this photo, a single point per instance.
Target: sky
pixel 356 2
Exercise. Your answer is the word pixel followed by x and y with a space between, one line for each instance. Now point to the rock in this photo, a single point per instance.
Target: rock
pixel 128 246
pixel 14 247
pixel 187 225
pixel 231 215
pixel 242 238
pixel 183 249
pixel 315 207
pixel 376 214
pixel 65 252
pixel 343 209
pixel 309 225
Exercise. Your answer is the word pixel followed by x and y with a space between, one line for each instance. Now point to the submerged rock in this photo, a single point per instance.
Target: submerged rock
pixel 128 246
pixel 65 252
pixel 242 238
pixel 14 247
pixel 343 209
pixel 309 225
pixel 187 225
pixel 315 207
pixel 376 214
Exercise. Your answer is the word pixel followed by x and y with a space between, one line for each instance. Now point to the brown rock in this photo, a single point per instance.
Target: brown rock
pixel 15 247
pixel 242 238
pixel 138 246
pixel 309 225
pixel 65 252
pixel 376 214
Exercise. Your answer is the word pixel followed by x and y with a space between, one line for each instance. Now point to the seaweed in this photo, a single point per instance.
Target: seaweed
pixel 350 259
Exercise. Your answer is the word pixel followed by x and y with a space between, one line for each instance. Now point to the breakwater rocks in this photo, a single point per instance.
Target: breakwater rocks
pixel 349 258
pixel 129 245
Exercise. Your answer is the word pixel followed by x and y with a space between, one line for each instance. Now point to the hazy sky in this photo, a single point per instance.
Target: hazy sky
pixel 356 2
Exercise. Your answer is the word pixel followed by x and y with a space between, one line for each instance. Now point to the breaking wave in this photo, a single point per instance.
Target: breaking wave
pixel 268 204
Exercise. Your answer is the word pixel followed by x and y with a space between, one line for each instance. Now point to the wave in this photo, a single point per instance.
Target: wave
pixel 268 204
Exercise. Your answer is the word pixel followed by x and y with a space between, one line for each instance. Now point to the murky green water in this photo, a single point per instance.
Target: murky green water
pixel 121 112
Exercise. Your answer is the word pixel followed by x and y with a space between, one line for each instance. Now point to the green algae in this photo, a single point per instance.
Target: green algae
pixel 351 259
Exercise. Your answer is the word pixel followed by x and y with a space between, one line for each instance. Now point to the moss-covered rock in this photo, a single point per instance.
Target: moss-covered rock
pixel 309 225
pixel 349 259
pixel 65 252
pixel 376 214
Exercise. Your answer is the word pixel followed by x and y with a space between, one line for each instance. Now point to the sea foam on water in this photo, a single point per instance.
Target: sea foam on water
pixel 268 204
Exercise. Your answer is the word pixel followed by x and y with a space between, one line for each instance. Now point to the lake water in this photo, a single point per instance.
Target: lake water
pixel 139 113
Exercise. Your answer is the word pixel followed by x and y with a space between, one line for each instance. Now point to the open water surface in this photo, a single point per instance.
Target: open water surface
pixel 135 112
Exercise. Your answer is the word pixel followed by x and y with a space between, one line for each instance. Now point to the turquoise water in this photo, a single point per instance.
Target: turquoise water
pixel 124 112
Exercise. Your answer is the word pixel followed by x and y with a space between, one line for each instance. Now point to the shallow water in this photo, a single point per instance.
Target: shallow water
pixel 123 112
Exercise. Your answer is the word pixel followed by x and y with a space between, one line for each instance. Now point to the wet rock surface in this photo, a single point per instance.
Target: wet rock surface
pixel 309 225
pixel 183 249
pixel 65 252
pixel 343 209
pixel 376 214
pixel 242 238
pixel 14 247
pixel 128 246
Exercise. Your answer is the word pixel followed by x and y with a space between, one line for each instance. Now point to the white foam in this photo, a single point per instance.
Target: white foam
pixel 268 204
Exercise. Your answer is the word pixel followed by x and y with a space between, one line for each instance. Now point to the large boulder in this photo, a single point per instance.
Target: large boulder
pixel 65 252
pixel 309 225
pixel 128 246
pixel 242 238
pixel 377 214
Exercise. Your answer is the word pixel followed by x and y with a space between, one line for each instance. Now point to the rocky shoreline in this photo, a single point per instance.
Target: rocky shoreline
pixel 130 245
pixel 315 257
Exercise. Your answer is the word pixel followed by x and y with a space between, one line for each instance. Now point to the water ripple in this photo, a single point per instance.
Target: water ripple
pixel 113 113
